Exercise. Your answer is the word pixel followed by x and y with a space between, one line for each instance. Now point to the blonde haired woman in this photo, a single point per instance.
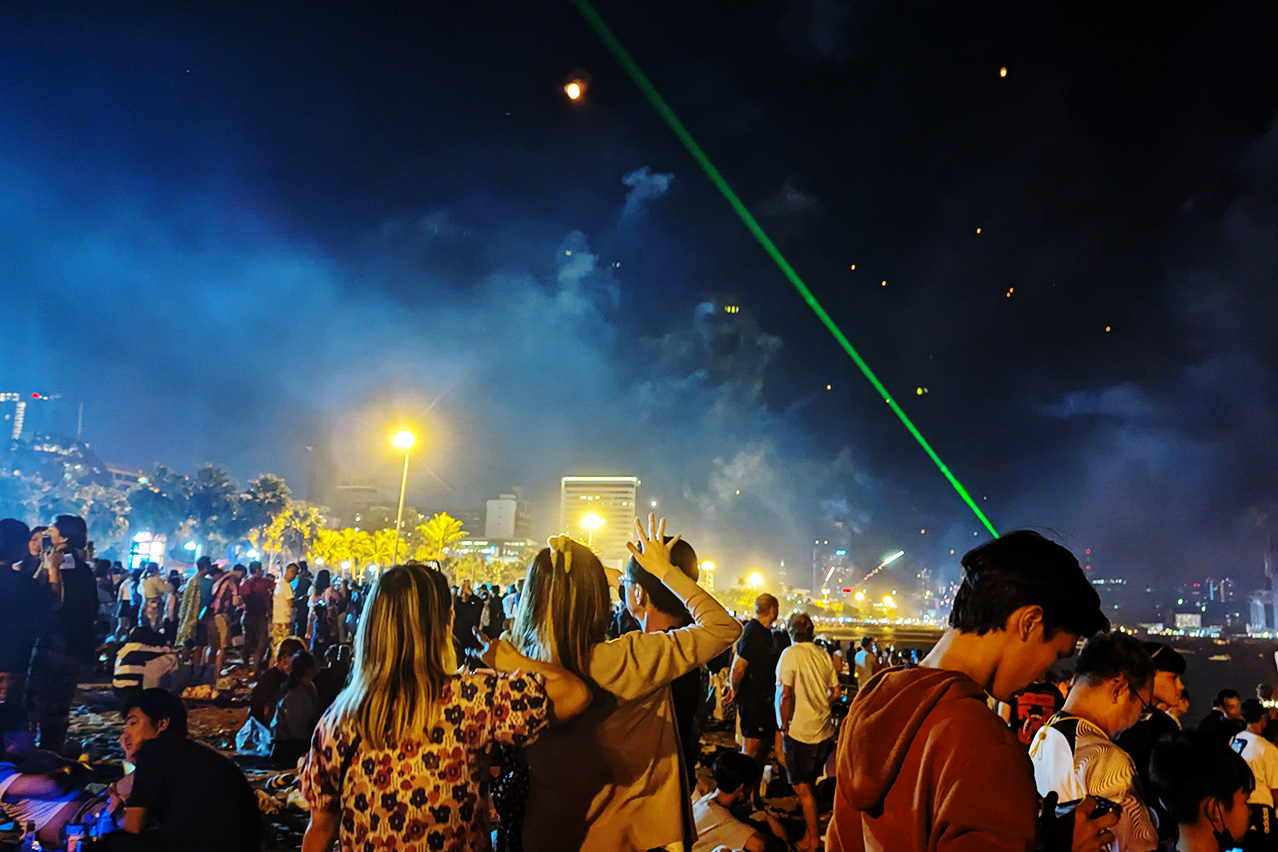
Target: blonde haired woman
pixel 612 779
pixel 400 759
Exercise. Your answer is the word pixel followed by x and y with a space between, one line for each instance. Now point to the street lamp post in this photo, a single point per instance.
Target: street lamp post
pixel 404 440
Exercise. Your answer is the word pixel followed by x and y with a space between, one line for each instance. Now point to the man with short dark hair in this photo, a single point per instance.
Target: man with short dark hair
pixel 1224 720
pixel 805 675
pixel 196 799
pixel 923 764
pixel 1074 754
pixel 1158 724
pixel 865 662
pixel 753 679
pixel 656 609
pixel 735 775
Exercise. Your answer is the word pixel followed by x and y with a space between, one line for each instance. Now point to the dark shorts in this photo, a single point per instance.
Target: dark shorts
pixel 758 719
pixel 804 761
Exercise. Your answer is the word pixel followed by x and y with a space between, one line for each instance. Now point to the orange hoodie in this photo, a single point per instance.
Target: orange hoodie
pixel 924 765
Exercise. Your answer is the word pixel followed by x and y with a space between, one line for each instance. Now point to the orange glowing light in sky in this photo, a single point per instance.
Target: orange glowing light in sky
pixel 573 91
pixel 1002 72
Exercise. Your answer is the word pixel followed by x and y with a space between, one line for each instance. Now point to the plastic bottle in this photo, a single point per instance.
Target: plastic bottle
pixel 29 841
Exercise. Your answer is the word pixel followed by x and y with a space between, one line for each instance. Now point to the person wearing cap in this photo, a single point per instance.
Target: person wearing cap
pixel 1157 724
pixel 22 602
pixel 66 639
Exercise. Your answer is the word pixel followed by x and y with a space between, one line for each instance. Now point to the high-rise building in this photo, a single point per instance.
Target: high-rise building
pixel 600 511
pixel 508 517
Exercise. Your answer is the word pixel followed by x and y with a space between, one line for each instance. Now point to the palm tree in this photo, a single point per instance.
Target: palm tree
pixel 383 548
pixel 330 548
pixel 437 537
pixel 358 545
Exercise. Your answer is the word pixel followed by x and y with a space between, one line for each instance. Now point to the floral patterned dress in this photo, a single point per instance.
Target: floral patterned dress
pixel 427 793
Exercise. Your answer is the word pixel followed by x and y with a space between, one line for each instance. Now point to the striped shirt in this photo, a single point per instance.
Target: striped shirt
pixel 142 665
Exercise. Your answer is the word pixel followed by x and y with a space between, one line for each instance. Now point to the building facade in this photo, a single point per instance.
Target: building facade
pixel 600 511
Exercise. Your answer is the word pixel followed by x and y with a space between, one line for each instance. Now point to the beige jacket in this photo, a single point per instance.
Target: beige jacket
pixel 610 779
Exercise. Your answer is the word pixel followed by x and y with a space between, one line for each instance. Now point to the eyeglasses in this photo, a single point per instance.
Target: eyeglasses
pixel 1146 707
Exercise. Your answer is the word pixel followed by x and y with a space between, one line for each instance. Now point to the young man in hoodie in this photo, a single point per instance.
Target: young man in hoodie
pixel 923 763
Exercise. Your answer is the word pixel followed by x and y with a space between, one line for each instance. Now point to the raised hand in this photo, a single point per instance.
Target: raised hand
pixel 653 551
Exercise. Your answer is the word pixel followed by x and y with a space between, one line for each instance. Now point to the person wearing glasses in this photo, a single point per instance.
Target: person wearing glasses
pixel 1074 754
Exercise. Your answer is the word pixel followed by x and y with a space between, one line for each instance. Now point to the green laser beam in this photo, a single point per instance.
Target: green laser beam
pixel 663 109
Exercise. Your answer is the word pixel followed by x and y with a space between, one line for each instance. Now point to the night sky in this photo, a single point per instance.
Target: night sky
pixel 239 231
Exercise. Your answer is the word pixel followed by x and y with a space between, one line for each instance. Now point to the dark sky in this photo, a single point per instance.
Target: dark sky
pixel 235 232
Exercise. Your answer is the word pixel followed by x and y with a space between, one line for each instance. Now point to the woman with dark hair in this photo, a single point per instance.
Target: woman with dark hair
pixel 1203 785
pixel 613 778
pixel 129 596
pixel 325 614
pixel 172 606
pixel 400 761
pixel 297 712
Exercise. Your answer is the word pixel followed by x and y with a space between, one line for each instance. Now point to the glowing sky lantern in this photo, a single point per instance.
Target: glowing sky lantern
pixel 573 90
pixel 1002 72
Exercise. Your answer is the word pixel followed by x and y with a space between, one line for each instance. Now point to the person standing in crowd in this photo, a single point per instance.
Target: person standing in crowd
pixel 194 798
pixel 496 614
pixel 920 748
pixel 510 603
pixel 223 604
pixel 173 609
pixel 296 713
pixel 154 590
pixel 35 551
pixel 656 609
pixel 1074 754
pixel 67 639
pixel 1205 787
pixel 866 662
pixel 257 592
pixel 23 606
pixel 735 775
pixel 325 617
pixel 302 600
pixel 1260 754
pixel 753 680
pixel 410 715
pixel 1157 724
pixel 467 610
pixel 282 611
pixel 809 686
pixel 612 779
pixel 1224 720
pixel 191 630
pixel 127 609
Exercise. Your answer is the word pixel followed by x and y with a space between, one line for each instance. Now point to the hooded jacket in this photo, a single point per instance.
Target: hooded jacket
pixel 923 764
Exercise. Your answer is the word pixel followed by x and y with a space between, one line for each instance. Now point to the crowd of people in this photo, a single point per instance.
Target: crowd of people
pixel 566 712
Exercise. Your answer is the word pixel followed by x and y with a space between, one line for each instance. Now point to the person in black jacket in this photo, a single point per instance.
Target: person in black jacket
pixel 66 638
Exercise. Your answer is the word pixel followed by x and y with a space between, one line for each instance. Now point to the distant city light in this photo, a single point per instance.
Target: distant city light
pixel 253 554
pixel 190 545
pixel 858 597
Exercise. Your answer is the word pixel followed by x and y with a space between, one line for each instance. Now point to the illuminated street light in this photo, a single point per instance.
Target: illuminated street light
pixel 754 580
pixel 190 545
pixel 888 601
pixel 590 522
pixel 859 597
pixel 404 440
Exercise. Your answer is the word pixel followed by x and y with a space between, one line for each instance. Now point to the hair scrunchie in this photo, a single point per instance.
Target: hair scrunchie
pixel 562 545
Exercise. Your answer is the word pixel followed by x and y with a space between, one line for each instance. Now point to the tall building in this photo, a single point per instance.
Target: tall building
pixel 606 505
pixel 508 517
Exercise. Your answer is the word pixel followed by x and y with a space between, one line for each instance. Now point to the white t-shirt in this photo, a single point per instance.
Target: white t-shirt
pixel 716 826
pixel 1262 756
pixel 809 671
pixel 283 611
pixel 867 665
pixel 510 604
pixel 23 811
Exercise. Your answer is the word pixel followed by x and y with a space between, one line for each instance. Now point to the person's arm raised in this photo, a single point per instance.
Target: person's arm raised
pixel 638 663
